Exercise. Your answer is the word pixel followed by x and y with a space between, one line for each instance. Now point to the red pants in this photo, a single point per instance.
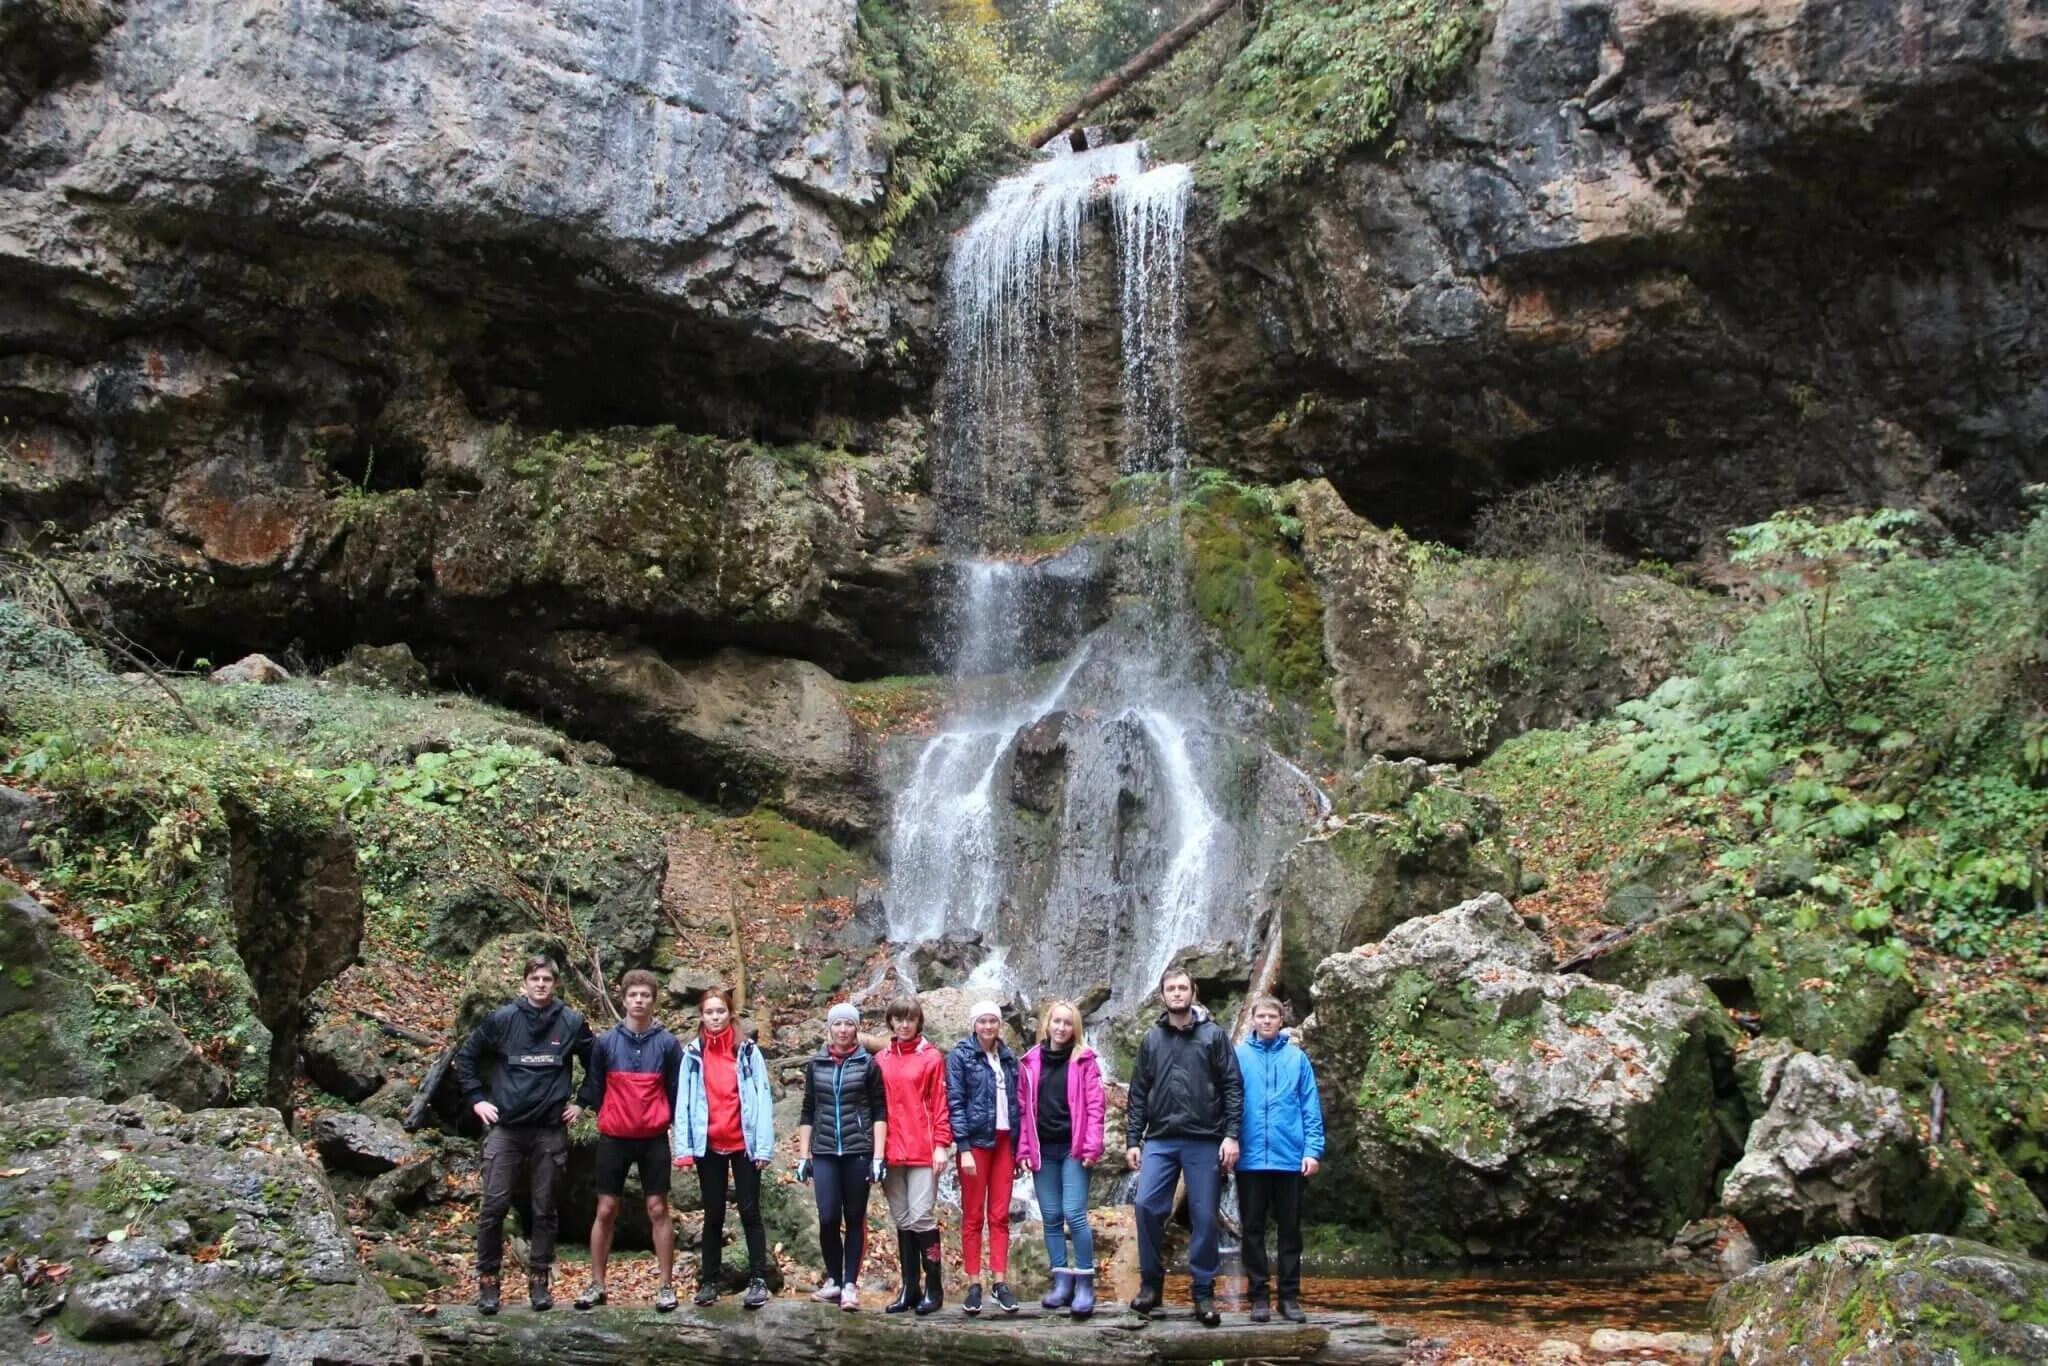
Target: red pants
pixel 985 1196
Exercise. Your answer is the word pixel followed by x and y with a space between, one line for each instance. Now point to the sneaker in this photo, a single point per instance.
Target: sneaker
pixel 665 1300
pixel 849 1298
pixel 828 1293
pixel 972 1304
pixel 487 1294
pixel 757 1293
pixel 591 1298
pixel 539 1293
pixel 1005 1301
pixel 707 1294
pixel 1205 1311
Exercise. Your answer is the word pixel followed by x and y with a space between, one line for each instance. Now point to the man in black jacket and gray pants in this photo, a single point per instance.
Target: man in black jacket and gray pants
pixel 1186 1108
pixel 530 1042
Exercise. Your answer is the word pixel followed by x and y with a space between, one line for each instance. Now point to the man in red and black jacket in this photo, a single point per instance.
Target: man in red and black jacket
pixel 631 1082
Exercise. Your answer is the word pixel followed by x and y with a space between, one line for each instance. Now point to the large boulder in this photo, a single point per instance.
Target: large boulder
pixel 68 1029
pixel 1481 1104
pixel 1926 1298
pixel 188 1237
pixel 345 1057
pixel 1833 1153
pixel 361 1145
pixel 1419 845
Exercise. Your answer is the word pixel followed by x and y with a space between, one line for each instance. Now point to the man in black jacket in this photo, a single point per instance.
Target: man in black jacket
pixel 530 1042
pixel 1186 1107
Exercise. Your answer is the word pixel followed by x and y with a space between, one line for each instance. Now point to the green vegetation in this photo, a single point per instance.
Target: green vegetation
pixel 1252 591
pixel 1311 84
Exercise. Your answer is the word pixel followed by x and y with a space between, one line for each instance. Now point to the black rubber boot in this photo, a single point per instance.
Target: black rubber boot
pixel 907 1253
pixel 934 1298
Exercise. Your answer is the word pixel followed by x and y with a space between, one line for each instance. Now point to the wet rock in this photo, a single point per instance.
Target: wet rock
pixel 1612 1340
pixel 258 669
pixel 1219 969
pixel 183 1186
pixel 1502 1108
pixel 946 1017
pixel 361 1144
pixel 1927 1297
pixel 68 1029
pixel 948 959
pixel 1833 1153
pixel 1038 765
pixel 345 1057
pixel 391 668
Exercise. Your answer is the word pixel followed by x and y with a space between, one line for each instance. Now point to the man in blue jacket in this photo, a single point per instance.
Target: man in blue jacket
pixel 1283 1146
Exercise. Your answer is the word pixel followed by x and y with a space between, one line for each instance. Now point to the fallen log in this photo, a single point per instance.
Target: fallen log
pixel 1120 80
pixel 416 1113
pixel 795 1330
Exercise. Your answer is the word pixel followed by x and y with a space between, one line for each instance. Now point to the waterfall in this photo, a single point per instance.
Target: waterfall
pixel 1081 819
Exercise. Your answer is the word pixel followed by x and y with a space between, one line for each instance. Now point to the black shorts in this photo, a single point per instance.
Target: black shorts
pixel 616 1156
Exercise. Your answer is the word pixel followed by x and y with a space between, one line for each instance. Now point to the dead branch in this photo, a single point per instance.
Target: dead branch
pixel 1120 80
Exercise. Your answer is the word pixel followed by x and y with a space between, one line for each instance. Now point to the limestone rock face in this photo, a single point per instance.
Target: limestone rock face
pixel 1833 1153
pixel 1660 237
pixel 1924 1298
pixel 230 1246
pixel 1502 1109
pixel 532 201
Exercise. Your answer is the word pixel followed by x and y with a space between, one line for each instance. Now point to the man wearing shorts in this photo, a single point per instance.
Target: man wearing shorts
pixel 631 1082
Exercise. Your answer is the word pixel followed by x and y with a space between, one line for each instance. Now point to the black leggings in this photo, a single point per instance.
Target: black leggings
pixel 746 1189
pixel 842 1203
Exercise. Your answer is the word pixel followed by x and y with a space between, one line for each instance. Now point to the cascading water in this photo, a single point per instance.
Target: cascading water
pixel 1089 818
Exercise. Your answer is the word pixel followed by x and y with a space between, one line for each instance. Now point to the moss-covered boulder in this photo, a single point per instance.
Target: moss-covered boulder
pixel 69 1029
pixel 1832 1153
pixel 185 1237
pixel 1371 869
pixel 344 1056
pixel 1968 1067
pixel 1926 1298
pixel 1480 1104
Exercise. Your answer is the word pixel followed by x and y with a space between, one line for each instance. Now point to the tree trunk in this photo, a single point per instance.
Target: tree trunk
pixel 1122 78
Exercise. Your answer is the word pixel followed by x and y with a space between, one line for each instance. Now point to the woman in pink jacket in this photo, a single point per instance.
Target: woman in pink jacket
pixel 1060 1103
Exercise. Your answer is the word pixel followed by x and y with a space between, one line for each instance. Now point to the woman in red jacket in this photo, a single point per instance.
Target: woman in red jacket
pixel 914 1078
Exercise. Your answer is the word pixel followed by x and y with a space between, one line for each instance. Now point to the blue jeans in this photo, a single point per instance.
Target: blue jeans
pixel 1167 1161
pixel 1063 1199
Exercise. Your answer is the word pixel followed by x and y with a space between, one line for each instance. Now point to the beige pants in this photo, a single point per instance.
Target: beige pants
pixel 913 1194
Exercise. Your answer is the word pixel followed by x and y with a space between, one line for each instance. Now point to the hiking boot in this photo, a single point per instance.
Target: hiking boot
pixel 1290 1309
pixel 1261 1312
pixel 827 1293
pixel 906 1252
pixel 707 1293
pixel 757 1293
pixel 1005 1301
pixel 538 1292
pixel 1147 1299
pixel 665 1300
pixel 487 1294
pixel 1084 1294
pixel 1205 1311
pixel 591 1297
pixel 972 1304
pixel 1062 1293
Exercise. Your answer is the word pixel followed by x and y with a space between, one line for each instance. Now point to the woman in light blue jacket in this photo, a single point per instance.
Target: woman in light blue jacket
pixel 725 1127
pixel 1283 1146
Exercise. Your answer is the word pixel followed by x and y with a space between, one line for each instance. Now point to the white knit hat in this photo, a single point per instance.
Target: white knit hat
pixel 843 1011
pixel 982 1008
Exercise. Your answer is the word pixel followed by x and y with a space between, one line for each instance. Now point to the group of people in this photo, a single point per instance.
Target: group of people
pixel 1198 1109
